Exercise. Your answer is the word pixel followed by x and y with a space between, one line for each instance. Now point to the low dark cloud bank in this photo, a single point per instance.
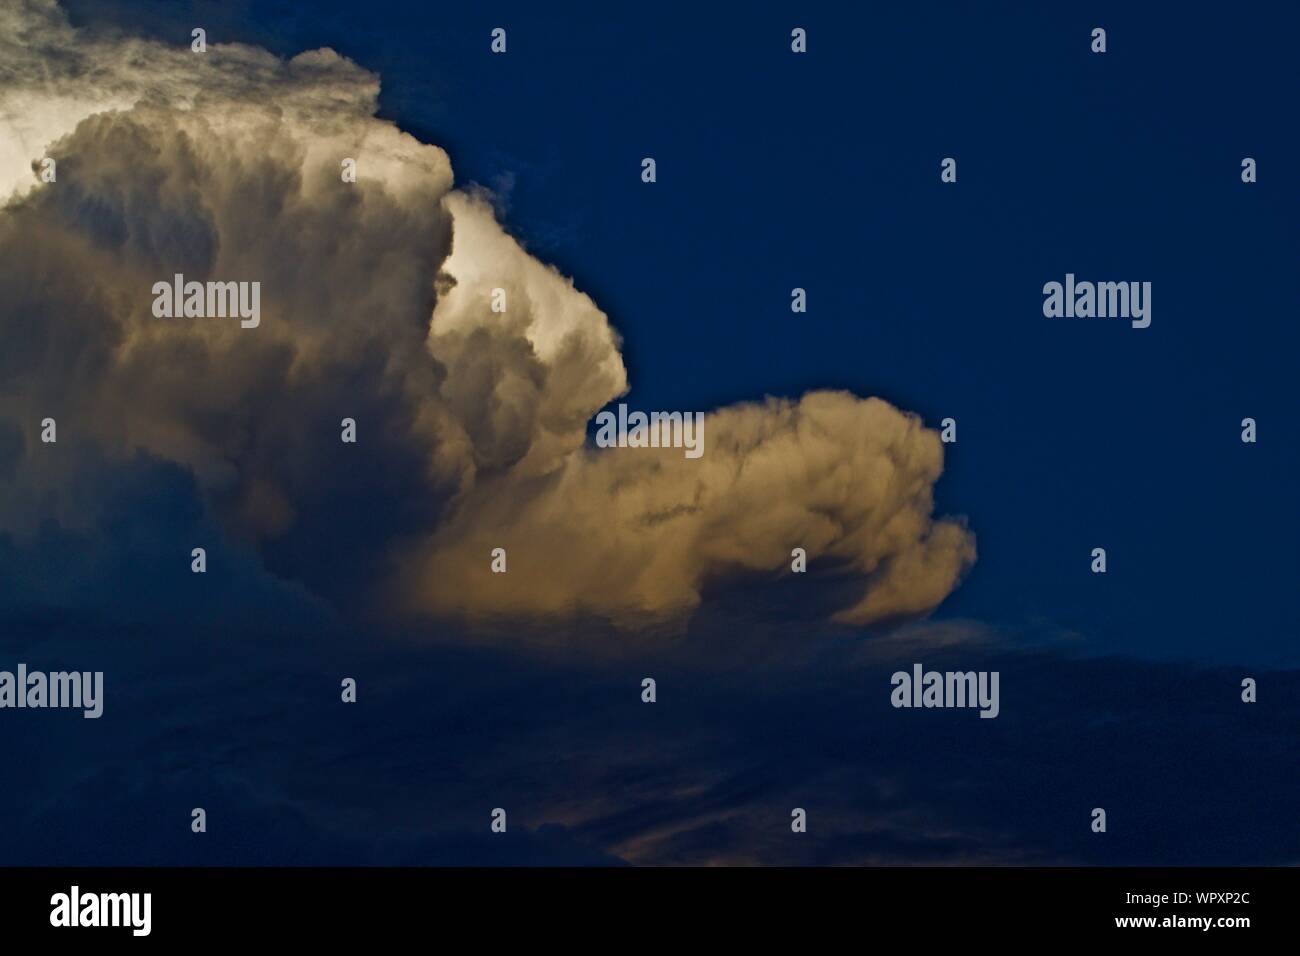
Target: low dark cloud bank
pixel 251 729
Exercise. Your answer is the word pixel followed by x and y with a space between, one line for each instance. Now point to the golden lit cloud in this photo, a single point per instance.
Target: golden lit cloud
pixel 376 305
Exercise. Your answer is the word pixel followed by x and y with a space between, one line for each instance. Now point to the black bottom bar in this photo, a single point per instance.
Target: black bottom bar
pixel 770 905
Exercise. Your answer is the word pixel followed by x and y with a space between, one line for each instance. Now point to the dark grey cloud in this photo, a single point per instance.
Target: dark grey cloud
pixel 251 728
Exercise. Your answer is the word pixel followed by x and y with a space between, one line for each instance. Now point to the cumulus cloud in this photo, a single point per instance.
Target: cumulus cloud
pixel 376 295
pixel 642 531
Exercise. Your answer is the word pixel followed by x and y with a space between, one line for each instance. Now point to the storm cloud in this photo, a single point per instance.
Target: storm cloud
pixel 376 306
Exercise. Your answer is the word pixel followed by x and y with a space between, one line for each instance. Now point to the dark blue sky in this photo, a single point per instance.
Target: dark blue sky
pixel 820 171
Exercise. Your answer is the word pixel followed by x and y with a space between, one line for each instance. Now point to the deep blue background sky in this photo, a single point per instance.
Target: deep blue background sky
pixel 820 171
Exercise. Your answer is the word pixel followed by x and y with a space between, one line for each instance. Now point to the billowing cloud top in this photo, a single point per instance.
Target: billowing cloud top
pixel 376 306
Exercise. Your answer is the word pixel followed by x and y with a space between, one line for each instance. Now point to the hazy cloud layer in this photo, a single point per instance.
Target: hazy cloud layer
pixel 588 773
pixel 375 306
